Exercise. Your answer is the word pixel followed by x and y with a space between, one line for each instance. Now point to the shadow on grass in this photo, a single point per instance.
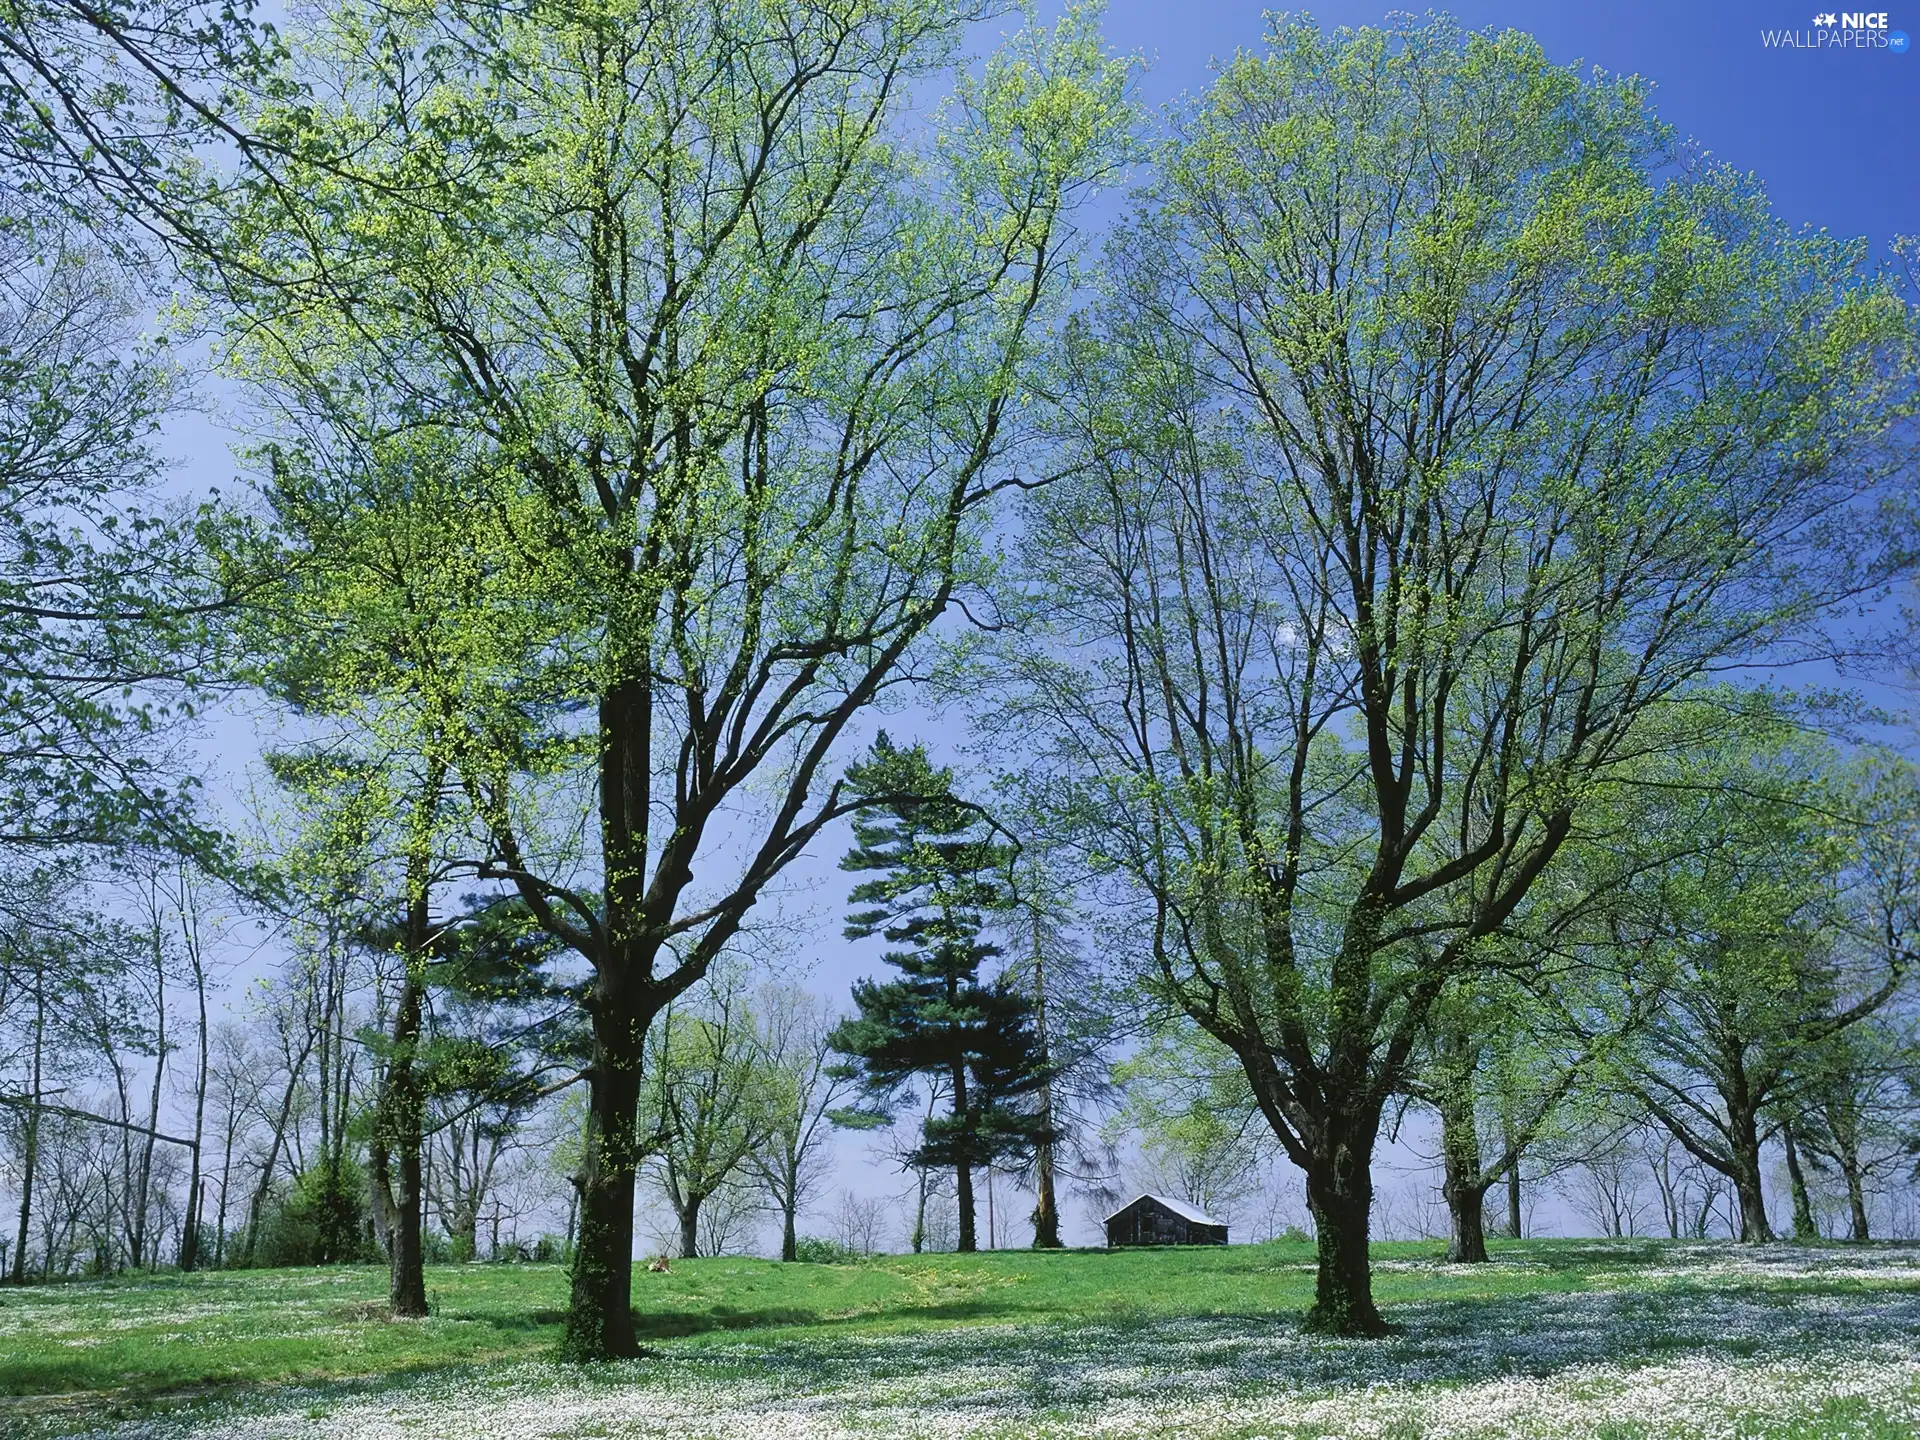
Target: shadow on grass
pixel 661 1325
pixel 1445 1342
pixel 676 1324
pixel 1590 1257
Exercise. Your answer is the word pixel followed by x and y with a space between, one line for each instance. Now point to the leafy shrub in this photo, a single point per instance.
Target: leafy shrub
pixel 812 1250
pixel 321 1221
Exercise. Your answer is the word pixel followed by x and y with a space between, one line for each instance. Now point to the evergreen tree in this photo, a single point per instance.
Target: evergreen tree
pixel 935 865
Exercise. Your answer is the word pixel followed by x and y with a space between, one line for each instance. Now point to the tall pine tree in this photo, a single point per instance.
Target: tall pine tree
pixel 936 868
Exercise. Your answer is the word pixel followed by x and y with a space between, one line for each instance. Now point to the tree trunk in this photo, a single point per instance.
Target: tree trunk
pixel 1340 1195
pixel 1752 1195
pixel 104 1260
pixel 993 1242
pixel 259 1202
pixel 787 1193
pixel 1748 1186
pixel 1046 1214
pixel 963 1193
pixel 1463 1186
pixel 1856 1206
pixel 403 1100
pixel 400 1127
pixel 466 1226
pixel 143 1185
pixel 380 1191
pixel 1467 1243
pixel 1804 1228
pixel 190 1237
pixel 600 1307
pixel 690 1228
pixel 621 1005
pixel 1046 1209
pixel 190 1226
pixel 226 1177
pixel 30 1148
pixel 963 1171
pixel 1515 1225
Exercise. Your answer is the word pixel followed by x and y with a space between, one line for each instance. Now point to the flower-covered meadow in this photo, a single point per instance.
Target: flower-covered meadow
pixel 1607 1342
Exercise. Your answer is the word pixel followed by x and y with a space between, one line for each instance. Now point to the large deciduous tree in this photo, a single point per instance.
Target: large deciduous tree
pixel 1498 1062
pixel 1793 921
pixel 747 362
pixel 806 1084
pixel 710 1099
pixel 1443 420
pixel 369 618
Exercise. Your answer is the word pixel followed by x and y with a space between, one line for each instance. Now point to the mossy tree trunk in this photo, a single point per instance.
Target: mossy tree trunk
pixel 1340 1197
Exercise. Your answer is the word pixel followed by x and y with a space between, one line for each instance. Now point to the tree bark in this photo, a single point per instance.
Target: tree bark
pixel 226 1177
pixel 600 1307
pixel 30 1148
pixel 1856 1205
pixel 1046 1209
pixel 259 1202
pixel 1046 1214
pixel 143 1185
pixel 1748 1186
pixel 403 1101
pixel 963 1171
pixel 1340 1195
pixel 690 1228
pixel 1749 1191
pixel 401 1125
pixel 789 1239
pixel 1515 1224
pixel 918 1239
pixel 1804 1228
pixel 1467 1243
pixel 380 1192
pixel 993 1235
pixel 963 1191
pixel 621 1005
pixel 1464 1186
pixel 190 1236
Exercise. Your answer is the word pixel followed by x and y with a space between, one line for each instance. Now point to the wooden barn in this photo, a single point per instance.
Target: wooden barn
pixel 1156 1220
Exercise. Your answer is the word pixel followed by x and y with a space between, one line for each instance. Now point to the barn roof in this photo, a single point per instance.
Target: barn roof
pixel 1178 1207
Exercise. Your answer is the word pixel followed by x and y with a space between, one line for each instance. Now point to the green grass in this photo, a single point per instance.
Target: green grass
pixel 1064 1333
pixel 148 1334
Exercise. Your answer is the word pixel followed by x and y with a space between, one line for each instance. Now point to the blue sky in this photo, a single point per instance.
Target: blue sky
pixel 1834 134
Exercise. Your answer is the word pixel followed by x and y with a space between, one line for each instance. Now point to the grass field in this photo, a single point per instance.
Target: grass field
pixel 1611 1341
